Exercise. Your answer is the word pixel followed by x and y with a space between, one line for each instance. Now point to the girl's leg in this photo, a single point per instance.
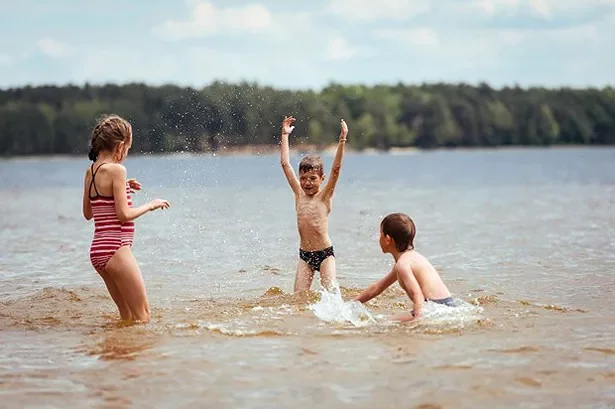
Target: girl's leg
pixel 114 291
pixel 125 272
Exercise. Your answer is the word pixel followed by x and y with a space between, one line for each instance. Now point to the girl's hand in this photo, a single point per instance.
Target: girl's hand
pixel 134 185
pixel 158 204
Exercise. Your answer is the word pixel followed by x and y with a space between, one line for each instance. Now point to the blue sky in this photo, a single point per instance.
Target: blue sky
pixel 308 44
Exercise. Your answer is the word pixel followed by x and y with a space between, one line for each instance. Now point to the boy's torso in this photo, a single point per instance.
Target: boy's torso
pixel 312 222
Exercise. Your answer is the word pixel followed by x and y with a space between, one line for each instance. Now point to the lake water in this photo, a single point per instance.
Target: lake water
pixel 524 237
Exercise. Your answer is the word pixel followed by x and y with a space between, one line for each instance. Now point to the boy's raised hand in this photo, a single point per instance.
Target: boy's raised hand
pixel 287 123
pixel 343 131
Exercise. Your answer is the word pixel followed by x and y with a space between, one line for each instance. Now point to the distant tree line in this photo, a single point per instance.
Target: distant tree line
pixel 58 120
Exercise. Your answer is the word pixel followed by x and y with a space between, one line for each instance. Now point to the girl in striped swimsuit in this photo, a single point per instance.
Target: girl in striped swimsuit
pixel 106 198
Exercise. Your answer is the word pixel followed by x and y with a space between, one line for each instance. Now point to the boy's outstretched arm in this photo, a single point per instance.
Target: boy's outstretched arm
pixel 412 288
pixel 337 161
pixel 287 128
pixel 377 288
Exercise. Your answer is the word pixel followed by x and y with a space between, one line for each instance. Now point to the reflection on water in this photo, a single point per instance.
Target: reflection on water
pixel 124 344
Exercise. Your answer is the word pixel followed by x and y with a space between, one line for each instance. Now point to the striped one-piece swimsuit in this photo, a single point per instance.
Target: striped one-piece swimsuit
pixel 109 233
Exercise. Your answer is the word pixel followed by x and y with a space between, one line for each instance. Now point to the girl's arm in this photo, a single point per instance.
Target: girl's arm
pixel 87 206
pixel 124 212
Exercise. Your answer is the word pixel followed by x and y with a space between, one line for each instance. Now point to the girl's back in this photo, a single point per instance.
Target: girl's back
pixel 107 200
pixel 109 233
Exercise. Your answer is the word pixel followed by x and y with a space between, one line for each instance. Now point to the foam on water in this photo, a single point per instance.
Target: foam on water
pixel 461 314
pixel 442 317
pixel 332 308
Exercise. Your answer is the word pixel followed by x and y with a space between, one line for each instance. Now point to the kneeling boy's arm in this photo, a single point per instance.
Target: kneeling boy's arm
pixel 377 288
pixel 412 287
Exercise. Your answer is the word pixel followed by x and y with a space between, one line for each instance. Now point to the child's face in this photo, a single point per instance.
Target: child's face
pixel 385 241
pixel 310 181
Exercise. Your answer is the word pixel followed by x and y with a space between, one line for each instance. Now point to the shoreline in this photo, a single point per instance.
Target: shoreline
pixel 257 150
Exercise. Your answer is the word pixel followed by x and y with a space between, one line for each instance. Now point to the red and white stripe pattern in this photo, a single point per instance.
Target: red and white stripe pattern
pixel 109 233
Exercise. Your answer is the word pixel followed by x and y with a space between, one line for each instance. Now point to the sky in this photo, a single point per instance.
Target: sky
pixel 308 44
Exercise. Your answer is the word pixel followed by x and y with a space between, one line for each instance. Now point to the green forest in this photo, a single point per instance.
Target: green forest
pixel 57 119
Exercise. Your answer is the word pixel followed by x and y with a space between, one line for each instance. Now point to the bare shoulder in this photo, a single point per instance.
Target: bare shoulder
pixel 326 199
pixel 422 264
pixel 403 265
pixel 409 261
pixel 117 169
pixel 415 256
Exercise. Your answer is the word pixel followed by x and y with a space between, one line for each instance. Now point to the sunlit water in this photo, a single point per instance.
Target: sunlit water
pixel 523 238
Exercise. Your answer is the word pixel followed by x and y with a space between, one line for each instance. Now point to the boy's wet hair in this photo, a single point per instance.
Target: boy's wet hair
pixel 401 228
pixel 107 134
pixel 311 162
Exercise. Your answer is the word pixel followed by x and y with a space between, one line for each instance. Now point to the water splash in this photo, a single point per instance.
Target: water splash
pixel 332 308
pixel 457 316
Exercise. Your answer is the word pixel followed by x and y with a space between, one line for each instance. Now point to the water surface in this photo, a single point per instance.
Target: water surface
pixel 525 235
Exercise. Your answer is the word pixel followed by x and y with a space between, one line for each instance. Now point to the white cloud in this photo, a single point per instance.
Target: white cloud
pixel 14 60
pixel 190 65
pixel 488 49
pixel 422 36
pixel 495 37
pixel 53 48
pixel 495 40
pixel 6 60
pixel 491 7
pixel 264 66
pixel 339 49
pixel 541 7
pixel 372 10
pixel 457 50
pixel 207 20
pixel 551 37
pixel 546 9
pixel 511 37
pixel 123 64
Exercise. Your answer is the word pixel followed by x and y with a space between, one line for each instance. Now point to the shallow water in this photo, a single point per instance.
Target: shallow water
pixel 524 238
